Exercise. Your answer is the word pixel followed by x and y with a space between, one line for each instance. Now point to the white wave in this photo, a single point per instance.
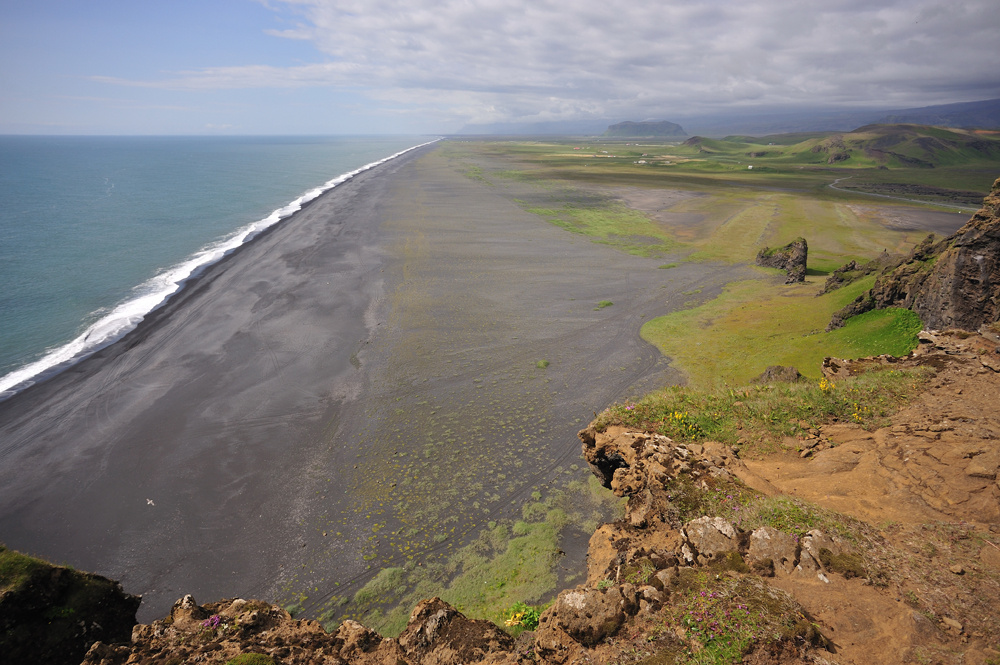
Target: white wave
pixel 156 291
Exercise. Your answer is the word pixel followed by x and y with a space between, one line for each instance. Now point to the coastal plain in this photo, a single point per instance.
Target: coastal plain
pixel 208 451
pixel 392 379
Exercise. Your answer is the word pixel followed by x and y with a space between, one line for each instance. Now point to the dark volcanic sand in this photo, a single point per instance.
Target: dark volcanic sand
pixel 377 348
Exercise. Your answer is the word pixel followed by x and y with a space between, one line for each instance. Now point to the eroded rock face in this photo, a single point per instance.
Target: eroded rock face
pixel 438 633
pixel 709 537
pixel 790 258
pixel 952 283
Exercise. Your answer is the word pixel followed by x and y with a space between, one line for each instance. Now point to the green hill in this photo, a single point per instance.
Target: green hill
pixel 871 146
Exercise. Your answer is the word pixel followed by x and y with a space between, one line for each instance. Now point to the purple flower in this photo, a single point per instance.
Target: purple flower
pixel 212 621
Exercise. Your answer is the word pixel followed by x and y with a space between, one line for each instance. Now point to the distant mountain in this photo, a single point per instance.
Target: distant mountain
pixel 760 122
pixel 629 128
pixel 985 114
pixel 551 128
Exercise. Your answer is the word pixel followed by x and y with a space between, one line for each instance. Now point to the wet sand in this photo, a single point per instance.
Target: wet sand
pixel 219 447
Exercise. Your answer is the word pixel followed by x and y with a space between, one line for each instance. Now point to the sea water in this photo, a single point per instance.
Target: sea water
pixel 95 232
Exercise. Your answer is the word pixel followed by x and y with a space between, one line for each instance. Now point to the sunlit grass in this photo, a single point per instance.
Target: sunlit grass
pixel 750 326
pixel 758 417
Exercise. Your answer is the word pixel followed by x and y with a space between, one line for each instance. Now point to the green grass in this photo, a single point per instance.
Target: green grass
pixel 16 569
pixel 611 224
pixel 736 336
pixel 603 304
pixel 759 416
pixel 726 617
pixel 251 659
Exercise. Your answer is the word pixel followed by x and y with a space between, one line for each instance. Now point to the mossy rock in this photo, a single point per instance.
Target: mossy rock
pixel 729 561
pixel 848 564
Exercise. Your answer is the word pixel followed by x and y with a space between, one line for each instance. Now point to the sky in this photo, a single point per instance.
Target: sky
pixel 433 66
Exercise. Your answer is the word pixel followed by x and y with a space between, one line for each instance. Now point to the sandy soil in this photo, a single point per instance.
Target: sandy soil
pixel 242 439
pixel 902 218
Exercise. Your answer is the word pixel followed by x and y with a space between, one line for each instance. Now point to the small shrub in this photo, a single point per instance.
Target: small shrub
pixel 523 616
pixel 639 573
pixel 603 304
pixel 542 364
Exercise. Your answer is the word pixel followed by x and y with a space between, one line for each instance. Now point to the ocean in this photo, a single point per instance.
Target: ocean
pixel 95 232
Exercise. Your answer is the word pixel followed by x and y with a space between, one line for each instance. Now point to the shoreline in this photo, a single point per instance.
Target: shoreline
pixel 122 318
pixel 75 483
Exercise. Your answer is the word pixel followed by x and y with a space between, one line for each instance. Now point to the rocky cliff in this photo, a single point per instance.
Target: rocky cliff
pixel 952 283
pixel 791 258
pixel 52 614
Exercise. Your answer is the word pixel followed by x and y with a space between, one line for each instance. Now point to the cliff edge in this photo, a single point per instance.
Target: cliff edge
pixel 952 283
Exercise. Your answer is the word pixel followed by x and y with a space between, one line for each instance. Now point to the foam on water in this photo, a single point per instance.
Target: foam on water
pixel 155 292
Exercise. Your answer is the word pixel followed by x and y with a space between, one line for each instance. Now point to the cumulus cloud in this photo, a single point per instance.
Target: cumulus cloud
pixel 490 60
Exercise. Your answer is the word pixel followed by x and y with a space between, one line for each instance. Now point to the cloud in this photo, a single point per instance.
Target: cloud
pixel 490 60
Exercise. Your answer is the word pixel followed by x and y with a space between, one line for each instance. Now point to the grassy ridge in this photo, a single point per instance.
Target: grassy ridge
pixel 758 417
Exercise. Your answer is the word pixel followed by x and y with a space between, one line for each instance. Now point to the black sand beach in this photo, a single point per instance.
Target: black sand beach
pixel 249 437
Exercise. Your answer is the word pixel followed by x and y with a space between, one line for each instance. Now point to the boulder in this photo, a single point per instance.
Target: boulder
pixel 778 373
pixel 791 258
pixel 589 615
pixel 439 634
pixel 710 537
pixel 767 543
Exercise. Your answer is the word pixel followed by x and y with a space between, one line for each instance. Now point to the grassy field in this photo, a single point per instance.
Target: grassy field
pixel 736 336
pixel 739 210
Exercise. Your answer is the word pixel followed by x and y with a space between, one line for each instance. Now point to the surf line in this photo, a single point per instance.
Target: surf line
pixel 154 292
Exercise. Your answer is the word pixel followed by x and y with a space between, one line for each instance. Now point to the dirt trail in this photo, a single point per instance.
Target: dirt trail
pixel 937 461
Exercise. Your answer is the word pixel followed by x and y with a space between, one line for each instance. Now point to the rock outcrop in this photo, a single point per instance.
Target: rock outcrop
pixel 778 373
pixel 790 258
pixel 952 283
pixel 51 614
pixel 437 634
pixel 852 271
